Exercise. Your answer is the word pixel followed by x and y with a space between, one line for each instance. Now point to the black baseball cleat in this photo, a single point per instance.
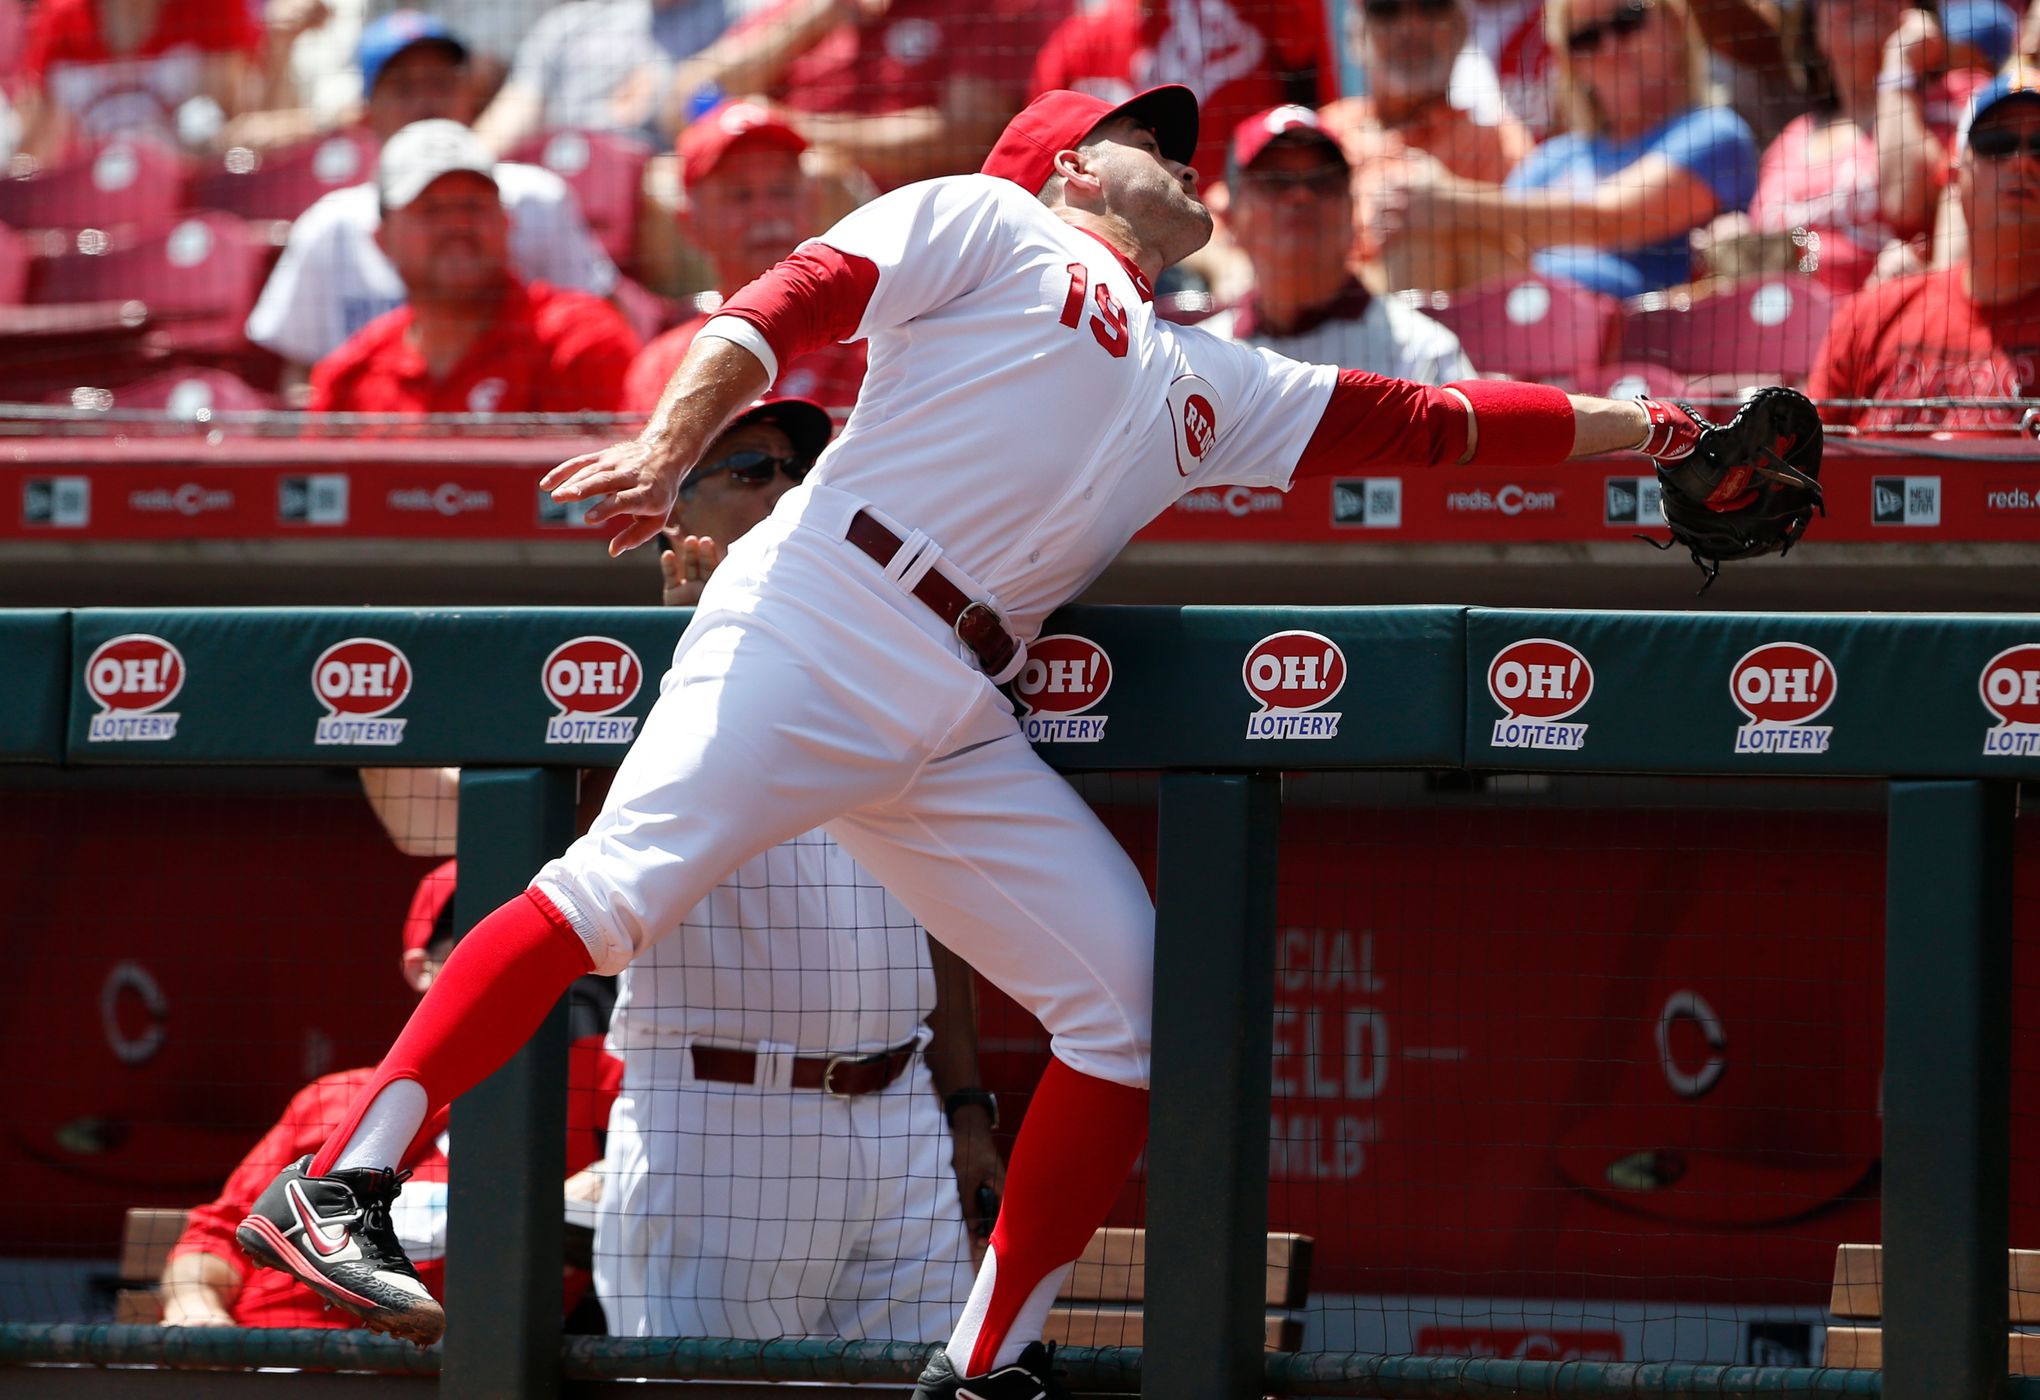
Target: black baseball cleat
pixel 1030 1378
pixel 333 1234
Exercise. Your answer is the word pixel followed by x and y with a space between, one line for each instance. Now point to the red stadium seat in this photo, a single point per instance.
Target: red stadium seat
pixel 607 175
pixel 1625 379
pixel 180 393
pixel 131 185
pixel 282 184
pixel 1762 330
pixel 197 279
pixel 1529 327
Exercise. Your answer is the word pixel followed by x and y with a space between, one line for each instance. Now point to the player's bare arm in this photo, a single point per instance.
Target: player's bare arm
pixel 636 482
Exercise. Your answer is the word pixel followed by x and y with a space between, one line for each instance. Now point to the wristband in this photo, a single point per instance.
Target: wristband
pixel 971 1098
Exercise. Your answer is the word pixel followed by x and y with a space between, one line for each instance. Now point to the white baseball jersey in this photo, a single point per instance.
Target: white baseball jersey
pixel 760 1210
pixel 332 279
pixel 1358 331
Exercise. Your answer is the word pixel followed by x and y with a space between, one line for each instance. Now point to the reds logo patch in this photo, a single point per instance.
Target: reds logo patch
pixel 1064 678
pixel 1193 418
pixel 360 681
pixel 590 679
pixel 1536 682
pixel 1293 676
pixel 131 678
pixel 1780 686
pixel 2010 688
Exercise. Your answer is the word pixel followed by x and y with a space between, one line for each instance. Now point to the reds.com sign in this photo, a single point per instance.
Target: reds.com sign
pixel 589 679
pixel 360 681
pixel 131 678
pixel 1063 680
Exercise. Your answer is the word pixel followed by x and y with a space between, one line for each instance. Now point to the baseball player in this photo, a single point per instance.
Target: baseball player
pixel 1024 414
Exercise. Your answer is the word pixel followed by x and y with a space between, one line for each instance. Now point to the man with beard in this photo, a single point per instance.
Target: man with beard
pixel 471 338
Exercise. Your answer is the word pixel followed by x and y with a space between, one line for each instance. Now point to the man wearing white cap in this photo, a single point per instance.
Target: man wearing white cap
pixel 1968 330
pixel 471 338
pixel 333 279
pixel 1292 215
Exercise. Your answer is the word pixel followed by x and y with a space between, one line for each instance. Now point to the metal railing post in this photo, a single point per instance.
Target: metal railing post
pixel 1207 1180
pixel 1947 1089
pixel 506 1157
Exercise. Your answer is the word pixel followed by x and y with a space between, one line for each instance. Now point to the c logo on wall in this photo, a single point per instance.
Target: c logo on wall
pixel 1294 675
pixel 1538 682
pixel 360 681
pixel 1065 677
pixel 131 678
pixel 590 679
pixel 1780 686
pixel 2010 686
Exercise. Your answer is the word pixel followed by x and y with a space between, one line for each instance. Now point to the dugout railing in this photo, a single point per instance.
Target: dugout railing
pixel 1219 702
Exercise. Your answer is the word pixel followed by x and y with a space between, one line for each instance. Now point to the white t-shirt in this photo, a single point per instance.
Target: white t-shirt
pixel 332 279
pixel 1001 335
pixel 1378 334
pixel 799 950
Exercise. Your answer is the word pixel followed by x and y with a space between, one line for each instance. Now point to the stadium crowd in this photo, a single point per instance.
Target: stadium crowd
pixel 531 207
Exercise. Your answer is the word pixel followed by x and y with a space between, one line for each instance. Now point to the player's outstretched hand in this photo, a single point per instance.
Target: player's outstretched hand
pixel 625 481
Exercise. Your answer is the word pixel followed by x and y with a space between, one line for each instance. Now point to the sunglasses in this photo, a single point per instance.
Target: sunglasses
pixel 750 468
pixel 2001 142
pixel 1620 25
pixel 1324 181
pixel 1389 11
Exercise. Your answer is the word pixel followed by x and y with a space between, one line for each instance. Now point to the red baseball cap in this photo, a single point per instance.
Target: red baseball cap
pixel 806 423
pixel 427 902
pixel 1260 131
pixel 719 130
pixel 1058 119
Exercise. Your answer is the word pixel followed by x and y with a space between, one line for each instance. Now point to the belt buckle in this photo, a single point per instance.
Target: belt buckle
pixel 981 629
pixel 829 1073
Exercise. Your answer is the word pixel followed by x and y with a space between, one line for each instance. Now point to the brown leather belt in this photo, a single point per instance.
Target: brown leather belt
pixel 841 1076
pixel 975 624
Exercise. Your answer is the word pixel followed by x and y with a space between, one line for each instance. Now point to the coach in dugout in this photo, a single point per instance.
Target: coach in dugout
pixel 471 337
pixel 208 1282
pixel 333 278
pixel 1292 212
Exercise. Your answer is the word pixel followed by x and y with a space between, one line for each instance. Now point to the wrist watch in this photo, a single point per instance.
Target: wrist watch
pixel 971 1098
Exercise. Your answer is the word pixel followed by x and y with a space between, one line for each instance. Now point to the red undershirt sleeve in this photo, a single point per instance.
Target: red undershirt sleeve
pixel 1370 421
pixel 815 297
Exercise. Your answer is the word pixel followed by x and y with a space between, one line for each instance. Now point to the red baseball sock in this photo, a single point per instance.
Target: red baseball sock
pixel 1080 1140
pixel 495 989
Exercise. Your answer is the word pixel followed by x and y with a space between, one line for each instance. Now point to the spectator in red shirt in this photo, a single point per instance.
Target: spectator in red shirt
pixel 745 202
pixel 209 1282
pixel 470 338
pixel 1969 330
pixel 903 89
pixel 1239 56
pixel 171 70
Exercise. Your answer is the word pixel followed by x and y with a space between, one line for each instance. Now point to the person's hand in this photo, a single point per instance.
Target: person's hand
pixel 1419 198
pixel 194 1307
pixel 1917 47
pixel 626 482
pixel 585 1185
pixel 686 567
pixel 978 1166
pixel 287 19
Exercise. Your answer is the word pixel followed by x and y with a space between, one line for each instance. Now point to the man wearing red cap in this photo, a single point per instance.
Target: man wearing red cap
pixel 1291 213
pixel 207 1281
pixel 1025 413
pixel 745 201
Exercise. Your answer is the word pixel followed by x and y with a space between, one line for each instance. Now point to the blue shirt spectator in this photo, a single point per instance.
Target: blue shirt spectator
pixel 1712 143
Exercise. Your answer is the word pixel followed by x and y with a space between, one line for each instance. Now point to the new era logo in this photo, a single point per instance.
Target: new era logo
pixel 1630 500
pixel 312 500
pixel 1905 500
pixel 59 502
pixel 1371 503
